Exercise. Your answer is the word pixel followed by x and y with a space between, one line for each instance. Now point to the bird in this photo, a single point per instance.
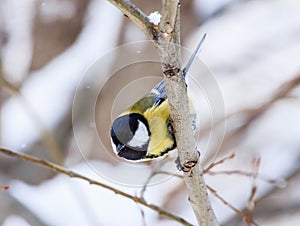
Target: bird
pixel 144 131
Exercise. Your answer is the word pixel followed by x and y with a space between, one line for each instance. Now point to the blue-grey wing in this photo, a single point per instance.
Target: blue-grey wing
pixel 159 93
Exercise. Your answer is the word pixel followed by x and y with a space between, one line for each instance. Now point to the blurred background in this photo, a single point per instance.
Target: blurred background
pixel 47 48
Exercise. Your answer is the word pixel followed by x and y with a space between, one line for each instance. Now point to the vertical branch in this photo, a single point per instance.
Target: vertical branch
pixel 168 39
pixel 169 49
pixel 168 20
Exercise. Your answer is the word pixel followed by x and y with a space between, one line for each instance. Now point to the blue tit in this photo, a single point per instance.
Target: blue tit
pixel 144 131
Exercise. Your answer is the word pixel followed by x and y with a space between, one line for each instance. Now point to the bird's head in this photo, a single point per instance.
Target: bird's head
pixel 130 136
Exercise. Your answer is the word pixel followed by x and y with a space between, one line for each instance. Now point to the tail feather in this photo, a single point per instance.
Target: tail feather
pixel 194 56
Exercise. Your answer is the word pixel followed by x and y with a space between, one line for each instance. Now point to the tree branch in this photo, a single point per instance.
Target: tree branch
pixel 237 211
pixel 180 113
pixel 60 169
pixel 136 15
pixel 170 10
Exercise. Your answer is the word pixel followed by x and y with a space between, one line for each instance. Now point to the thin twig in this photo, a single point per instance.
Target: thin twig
pixel 251 200
pixel 142 214
pixel 175 192
pixel 60 169
pixel 282 92
pixel 221 161
pixel 266 211
pixel 250 115
pixel 237 211
pixel 154 172
pixel 279 183
pixel 240 213
pixel 143 190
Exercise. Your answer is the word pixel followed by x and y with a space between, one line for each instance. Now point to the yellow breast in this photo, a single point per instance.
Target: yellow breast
pixel 161 139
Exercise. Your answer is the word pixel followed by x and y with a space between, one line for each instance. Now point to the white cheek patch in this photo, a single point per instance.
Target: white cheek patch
pixel 140 137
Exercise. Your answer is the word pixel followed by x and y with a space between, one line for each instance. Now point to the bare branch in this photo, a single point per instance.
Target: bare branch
pixel 60 169
pixel 170 55
pixel 136 15
pixel 250 115
pixel 169 39
pixel 154 172
pixel 254 114
pixel 277 182
pixel 168 19
pixel 221 161
pixel 262 210
pixel 251 200
pixel 142 214
pixel 237 211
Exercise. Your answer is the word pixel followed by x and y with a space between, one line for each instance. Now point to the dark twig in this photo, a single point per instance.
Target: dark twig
pixel 251 200
pixel 60 169
pixel 221 161
pixel 237 211
pixel 278 183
